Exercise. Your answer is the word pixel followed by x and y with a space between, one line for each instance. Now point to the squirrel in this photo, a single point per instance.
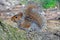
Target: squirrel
pixel 32 14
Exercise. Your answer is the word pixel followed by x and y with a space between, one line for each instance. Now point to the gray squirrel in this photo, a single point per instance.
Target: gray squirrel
pixel 33 15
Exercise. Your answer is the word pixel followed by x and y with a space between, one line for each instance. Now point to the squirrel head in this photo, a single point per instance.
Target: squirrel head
pixel 17 17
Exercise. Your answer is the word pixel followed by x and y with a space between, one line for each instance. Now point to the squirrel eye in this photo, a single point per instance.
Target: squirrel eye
pixel 15 17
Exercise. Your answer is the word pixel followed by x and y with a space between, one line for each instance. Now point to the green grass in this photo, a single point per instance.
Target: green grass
pixel 7 32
